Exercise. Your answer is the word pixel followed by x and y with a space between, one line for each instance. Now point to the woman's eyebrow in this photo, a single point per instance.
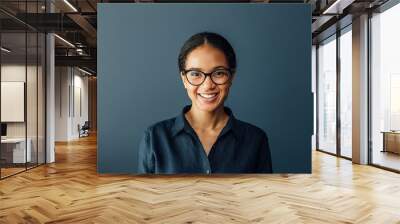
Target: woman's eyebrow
pixel 216 67
pixel 198 69
pixel 219 67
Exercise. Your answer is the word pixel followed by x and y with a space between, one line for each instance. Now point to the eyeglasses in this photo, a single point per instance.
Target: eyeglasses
pixel 219 76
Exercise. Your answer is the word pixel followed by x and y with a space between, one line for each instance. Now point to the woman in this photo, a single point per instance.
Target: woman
pixel 205 137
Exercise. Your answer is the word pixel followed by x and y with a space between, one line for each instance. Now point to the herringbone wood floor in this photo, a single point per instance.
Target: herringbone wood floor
pixel 70 191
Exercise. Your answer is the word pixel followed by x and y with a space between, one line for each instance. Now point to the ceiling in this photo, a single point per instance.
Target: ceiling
pixel 76 22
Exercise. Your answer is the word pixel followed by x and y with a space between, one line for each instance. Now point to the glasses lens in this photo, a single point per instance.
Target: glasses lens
pixel 221 76
pixel 195 77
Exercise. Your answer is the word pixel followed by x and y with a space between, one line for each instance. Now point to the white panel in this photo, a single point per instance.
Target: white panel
pixel 12 101
pixel 50 93
pixel 77 112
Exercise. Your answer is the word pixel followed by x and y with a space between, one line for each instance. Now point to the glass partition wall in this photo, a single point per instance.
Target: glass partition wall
pixel 385 89
pixel 22 98
pixel 345 91
pixel 327 95
pixel 334 94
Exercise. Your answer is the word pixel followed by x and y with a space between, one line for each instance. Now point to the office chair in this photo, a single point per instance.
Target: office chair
pixel 84 130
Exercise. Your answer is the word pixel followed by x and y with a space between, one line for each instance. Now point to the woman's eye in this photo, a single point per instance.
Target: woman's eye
pixel 220 73
pixel 195 74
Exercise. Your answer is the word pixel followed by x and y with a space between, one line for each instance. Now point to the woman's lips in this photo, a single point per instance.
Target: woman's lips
pixel 208 97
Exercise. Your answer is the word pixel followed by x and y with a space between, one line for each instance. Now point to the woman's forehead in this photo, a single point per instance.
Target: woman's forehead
pixel 206 57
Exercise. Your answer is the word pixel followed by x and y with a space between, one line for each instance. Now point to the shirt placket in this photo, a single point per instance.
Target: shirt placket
pixel 205 160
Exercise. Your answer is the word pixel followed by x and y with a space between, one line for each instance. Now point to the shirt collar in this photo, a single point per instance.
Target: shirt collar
pixel 182 124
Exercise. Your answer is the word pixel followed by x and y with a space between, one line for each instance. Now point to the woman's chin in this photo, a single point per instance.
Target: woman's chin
pixel 206 106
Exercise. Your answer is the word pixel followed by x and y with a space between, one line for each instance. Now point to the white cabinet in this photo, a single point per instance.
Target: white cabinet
pixel 19 154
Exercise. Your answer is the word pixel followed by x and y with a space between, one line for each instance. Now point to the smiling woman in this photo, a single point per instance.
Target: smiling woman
pixel 205 137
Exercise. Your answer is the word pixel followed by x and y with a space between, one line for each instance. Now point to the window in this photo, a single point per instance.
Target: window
pixel 346 92
pixel 385 88
pixel 327 95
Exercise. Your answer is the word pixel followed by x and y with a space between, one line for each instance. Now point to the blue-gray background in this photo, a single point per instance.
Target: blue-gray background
pixel 139 83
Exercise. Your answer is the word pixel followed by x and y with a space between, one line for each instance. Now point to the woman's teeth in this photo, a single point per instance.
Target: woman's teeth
pixel 208 96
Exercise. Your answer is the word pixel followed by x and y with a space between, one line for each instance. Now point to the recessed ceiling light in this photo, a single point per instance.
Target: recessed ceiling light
pixel 337 7
pixel 65 41
pixel 84 71
pixel 70 5
pixel 5 50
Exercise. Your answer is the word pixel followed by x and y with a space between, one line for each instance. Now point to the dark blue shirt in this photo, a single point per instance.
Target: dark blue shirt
pixel 172 146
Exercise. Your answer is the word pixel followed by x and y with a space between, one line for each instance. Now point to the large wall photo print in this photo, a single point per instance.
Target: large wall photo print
pixel 204 88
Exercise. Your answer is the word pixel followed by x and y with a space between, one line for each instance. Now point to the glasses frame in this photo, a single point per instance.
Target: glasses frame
pixel 231 72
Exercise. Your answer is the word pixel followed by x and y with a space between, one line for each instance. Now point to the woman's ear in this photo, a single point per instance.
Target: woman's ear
pixel 183 79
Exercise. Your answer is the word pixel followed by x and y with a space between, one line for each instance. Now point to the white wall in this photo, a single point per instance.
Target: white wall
pixel 62 81
pixel 71 102
pixel 33 126
pixel 16 72
pixel 9 73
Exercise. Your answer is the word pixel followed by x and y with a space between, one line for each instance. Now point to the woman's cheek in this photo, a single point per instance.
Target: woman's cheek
pixel 225 92
pixel 192 93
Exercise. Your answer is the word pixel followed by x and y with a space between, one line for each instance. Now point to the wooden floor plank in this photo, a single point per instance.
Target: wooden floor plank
pixel 70 191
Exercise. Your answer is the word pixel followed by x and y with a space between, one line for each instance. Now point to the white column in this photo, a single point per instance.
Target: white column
pixel 360 90
pixel 50 93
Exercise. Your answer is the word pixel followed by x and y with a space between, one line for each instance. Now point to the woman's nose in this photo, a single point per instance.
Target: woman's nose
pixel 208 83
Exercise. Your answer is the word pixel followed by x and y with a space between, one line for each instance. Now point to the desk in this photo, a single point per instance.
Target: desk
pixel 391 141
pixel 15 148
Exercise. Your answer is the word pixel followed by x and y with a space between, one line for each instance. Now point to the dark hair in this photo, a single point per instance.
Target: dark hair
pixel 214 40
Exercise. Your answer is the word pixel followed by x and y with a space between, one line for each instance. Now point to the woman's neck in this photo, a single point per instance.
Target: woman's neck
pixel 204 120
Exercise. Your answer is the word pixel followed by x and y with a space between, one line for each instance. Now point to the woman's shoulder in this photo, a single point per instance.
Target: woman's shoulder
pixel 161 126
pixel 250 129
